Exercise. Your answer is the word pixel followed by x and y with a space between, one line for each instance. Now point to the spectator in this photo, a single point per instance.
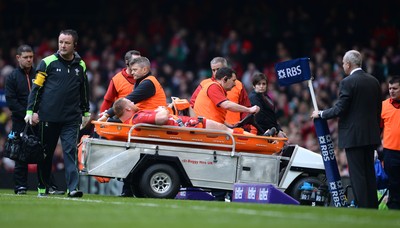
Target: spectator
pixel 248 75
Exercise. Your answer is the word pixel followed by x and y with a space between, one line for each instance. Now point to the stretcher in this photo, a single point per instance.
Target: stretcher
pixel 195 137
pixel 159 160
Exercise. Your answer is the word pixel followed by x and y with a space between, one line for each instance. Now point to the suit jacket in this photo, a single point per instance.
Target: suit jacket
pixel 358 108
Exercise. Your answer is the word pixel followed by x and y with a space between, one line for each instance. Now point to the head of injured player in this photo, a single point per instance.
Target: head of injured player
pixel 123 105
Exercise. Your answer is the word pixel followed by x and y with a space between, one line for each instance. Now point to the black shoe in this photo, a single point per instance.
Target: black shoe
pixel 54 191
pixel 21 191
pixel 75 193
pixel 270 132
pixel 126 194
pixel 219 195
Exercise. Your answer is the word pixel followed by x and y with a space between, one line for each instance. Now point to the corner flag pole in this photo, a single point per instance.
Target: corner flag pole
pixel 314 100
pixel 328 156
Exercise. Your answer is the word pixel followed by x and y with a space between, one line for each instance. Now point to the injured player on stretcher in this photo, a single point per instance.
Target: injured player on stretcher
pixel 128 113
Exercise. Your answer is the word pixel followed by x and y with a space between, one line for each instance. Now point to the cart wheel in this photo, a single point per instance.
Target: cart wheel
pixel 295 189
pixel 160 181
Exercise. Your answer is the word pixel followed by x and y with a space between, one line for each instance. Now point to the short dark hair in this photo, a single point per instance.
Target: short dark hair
pixel 224 71
pixel 119 106
pixel 258 77
pixel 394 79
pixel 72 33
pixel 24 48
pixel 128 55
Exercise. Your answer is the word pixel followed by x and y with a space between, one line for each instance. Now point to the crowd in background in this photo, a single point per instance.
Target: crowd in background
pixel 180 40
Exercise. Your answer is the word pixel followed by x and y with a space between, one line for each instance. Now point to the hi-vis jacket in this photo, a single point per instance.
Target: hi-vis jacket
pixel 206 108
pixel 60 92
pixel 158 99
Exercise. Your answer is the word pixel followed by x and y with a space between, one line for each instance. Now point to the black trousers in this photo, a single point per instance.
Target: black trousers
pixel 20 175
pixel 391 160
pixel 20 168
pixel 67 132
pixel 362 176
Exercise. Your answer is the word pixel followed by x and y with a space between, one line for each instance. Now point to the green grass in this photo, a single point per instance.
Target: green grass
pixel 111 211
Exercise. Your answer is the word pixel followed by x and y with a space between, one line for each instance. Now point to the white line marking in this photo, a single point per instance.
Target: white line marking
pixel 240 211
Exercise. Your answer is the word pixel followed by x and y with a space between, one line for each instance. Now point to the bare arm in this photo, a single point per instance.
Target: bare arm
pixel 231 106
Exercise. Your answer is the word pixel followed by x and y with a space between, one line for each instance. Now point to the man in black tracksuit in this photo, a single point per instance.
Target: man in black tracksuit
pixel 17 88
pixel 60 95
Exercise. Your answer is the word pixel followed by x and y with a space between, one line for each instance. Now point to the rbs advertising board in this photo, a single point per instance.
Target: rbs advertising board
pixel 293 71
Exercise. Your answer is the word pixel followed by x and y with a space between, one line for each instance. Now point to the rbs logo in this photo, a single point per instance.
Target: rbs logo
pixel 289 72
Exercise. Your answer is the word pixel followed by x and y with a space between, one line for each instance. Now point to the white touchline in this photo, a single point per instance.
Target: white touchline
pixel 345 219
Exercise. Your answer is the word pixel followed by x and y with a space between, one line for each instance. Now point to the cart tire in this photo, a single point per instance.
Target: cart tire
pixel 295 189
pixel 160 181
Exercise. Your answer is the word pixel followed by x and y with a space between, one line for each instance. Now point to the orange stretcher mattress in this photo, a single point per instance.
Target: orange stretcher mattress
pixel 185 135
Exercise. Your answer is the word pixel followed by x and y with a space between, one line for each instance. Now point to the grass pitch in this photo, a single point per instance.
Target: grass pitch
pixel 111 211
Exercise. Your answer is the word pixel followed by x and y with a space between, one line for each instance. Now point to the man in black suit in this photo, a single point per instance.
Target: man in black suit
pixel 358 108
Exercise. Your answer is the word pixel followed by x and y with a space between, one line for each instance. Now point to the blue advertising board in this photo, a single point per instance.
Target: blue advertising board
pixel 293 71
pixel 328 156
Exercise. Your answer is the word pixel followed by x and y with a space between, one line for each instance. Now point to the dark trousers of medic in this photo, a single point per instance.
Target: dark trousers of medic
pixel 391 160
pixel 49 133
